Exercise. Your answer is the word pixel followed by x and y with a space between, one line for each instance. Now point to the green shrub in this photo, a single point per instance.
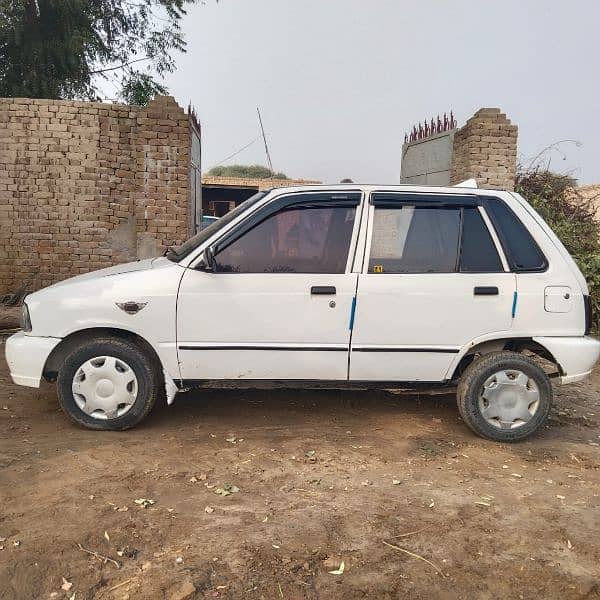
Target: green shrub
pixel 572 217
pixel 249 171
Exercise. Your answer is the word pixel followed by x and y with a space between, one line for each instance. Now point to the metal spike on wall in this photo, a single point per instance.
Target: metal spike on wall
pixel 432 127
pixel 193 116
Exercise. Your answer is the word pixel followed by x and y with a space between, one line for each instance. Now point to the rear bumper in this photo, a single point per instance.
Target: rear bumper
pixel 26 356
pixel 576 356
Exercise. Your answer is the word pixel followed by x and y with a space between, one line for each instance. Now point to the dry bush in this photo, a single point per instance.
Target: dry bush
pixel 573 219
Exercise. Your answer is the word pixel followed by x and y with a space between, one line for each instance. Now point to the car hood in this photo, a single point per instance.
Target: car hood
pixel 130 267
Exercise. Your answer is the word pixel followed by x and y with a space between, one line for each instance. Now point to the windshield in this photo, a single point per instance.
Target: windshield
pixel 178 253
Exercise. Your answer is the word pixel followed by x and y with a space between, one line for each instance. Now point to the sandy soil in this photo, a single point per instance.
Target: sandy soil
pixel 323 477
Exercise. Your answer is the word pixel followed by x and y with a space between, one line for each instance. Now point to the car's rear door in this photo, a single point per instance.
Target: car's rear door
pixel 279 301
pixel 433 279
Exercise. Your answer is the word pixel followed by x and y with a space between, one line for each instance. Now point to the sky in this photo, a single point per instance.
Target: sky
pixel 338 82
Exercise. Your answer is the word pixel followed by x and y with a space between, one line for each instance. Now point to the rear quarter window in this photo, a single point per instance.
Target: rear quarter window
pixel 522 252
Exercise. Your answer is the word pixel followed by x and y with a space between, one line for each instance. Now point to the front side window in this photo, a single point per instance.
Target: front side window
pixel 297 239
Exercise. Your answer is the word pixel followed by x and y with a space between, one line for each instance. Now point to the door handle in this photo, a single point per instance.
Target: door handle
pixel 323 290
pixel 485 291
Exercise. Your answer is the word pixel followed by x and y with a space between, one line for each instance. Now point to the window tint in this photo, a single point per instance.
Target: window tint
pixel 521 250
pixel 294 240
pixel 478 253
pixel 411 239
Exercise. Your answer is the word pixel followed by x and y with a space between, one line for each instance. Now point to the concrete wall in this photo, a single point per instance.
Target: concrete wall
pixel 87 185
pixel 485 149
pixel 428 161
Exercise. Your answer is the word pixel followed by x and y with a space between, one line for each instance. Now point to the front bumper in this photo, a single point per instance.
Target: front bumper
pixel 576 356
pixel 26 356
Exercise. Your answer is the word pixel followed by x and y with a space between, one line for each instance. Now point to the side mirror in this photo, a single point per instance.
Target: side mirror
pixel 207 261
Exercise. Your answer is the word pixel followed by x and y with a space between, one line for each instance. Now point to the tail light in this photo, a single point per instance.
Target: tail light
pixel 587 303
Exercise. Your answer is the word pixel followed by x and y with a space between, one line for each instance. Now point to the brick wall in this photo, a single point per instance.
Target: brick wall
pixel 485 149
pixel 87 185
pixel 259 184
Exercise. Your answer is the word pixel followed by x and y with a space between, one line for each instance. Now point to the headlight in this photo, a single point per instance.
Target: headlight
pixel 25 319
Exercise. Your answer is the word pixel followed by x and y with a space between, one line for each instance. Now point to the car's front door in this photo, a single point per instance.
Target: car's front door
pixel 434 279
pixel 277 305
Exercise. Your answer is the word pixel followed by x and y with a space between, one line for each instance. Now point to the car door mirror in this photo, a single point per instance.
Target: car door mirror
pixel 207 261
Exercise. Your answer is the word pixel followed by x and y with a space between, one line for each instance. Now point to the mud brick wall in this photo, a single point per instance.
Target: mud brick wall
pixel 87 185
pixel 485 149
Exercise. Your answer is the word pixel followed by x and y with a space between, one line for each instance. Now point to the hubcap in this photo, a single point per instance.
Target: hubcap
pixel 105 387
pixel 509 399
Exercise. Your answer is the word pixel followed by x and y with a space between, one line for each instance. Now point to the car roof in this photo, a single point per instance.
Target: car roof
pixel 357 187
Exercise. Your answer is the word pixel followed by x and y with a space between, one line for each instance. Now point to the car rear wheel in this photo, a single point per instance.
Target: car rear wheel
pixel 108 384
pixel 504 396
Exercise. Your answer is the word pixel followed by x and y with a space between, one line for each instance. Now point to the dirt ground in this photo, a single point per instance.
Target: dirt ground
pixel 323 477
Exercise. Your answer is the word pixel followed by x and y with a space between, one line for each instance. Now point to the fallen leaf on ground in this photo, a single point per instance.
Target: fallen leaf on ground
pixel 144 502
pixel 107 537
pixel 66 585
pixel 339 570
pixel 209 509
pixel 227 490
pixel 396 482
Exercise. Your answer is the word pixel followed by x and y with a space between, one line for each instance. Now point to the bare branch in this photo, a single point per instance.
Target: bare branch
pixel 122 66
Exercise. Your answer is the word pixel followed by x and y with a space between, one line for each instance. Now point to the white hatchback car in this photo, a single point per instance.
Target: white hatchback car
pixel 345 286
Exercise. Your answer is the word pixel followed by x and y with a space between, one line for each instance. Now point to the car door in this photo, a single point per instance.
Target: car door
pixel 434 278
pixel 277 305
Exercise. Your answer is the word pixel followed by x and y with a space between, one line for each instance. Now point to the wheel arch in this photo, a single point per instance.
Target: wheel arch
pixel 514 344
pixel 59 352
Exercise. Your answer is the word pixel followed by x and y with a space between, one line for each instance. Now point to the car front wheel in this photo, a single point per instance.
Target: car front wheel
pixel 108 384
pixel 504 396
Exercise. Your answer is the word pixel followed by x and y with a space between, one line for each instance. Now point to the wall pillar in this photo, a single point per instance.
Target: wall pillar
pixel 485 149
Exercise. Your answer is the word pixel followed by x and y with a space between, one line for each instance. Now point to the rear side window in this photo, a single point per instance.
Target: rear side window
pixel 522 253
pixel 478 252
pixel 412 239
pixel 416 239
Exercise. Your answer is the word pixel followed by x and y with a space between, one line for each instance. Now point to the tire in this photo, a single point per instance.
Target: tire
pixel 491 416
pixel 131 375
